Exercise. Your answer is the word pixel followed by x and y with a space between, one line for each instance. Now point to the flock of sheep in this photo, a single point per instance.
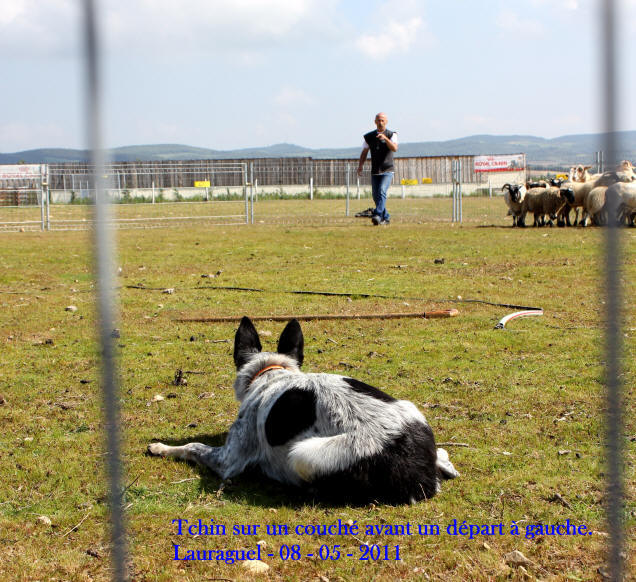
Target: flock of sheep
pixel 582 190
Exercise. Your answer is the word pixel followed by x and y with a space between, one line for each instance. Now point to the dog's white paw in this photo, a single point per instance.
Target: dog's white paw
pixel 445 466
pixel 157 449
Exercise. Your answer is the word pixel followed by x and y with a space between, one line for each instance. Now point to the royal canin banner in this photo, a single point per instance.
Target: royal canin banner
pixel 20 171
pixel 514 163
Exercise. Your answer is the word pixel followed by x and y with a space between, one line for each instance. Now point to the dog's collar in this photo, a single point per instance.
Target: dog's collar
pixel 267 369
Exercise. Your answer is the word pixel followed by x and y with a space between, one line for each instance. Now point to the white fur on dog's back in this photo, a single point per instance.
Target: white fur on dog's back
pixel 363 426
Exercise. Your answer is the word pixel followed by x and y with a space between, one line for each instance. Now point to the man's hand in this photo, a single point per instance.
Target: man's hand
pixel 386 141
pixel 360 172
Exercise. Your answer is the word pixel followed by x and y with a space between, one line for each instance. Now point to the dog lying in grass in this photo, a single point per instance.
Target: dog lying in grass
pixel 342 439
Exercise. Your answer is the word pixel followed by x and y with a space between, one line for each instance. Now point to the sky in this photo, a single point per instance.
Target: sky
pixel 233 74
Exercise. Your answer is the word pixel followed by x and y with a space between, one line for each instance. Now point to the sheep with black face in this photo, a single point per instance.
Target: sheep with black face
pixel 513 197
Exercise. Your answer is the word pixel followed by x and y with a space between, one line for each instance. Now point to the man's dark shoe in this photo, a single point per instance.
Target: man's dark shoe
pixel 376 220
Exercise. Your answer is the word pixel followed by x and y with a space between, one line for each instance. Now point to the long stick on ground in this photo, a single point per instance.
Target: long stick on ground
pixel 229 319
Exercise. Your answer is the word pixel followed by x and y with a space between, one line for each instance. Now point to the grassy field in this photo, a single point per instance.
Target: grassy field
pixel 528 401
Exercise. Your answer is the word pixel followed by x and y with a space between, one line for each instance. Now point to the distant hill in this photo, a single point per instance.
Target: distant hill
pixel 559 151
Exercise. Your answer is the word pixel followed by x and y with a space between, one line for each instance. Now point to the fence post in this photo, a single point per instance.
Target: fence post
pixel 347 211
pixel 43 186
pixel 153 192
pixel 403 191
pixel 600 162
pixel 48 209
pixel 252 190
pixel 358 186
pixel 42 194
pixel 459 186
pixel 456 172
pixel 311 188
pixel 615 403
pixel 454 192
pixel 105 299
pixel 247 209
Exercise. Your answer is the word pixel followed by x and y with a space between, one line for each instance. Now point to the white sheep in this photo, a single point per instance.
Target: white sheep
pixel 580 173
pixel 513 197
pixel 626 193
pixel 594 206
pixel 594 200
pixel 581 190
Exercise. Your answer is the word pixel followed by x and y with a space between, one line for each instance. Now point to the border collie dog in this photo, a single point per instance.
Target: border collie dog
pixel 340 438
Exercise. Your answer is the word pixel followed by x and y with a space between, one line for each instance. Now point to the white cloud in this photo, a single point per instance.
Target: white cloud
pixel 43 27
pixel 243 28
pixel 12 12
pixel 397 26
pixel 398 37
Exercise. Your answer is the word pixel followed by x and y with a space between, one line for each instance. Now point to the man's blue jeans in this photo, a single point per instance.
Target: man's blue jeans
pixel 379 188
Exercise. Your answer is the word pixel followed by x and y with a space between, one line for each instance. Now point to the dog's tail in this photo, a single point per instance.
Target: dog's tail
pixel 316 456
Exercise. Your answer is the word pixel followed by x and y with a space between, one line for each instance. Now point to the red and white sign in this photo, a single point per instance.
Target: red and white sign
pixel 514 163
pixel 21 171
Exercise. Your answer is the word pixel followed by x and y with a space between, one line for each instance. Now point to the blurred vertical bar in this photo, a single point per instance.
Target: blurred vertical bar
pixel 103 256
pixel 613 291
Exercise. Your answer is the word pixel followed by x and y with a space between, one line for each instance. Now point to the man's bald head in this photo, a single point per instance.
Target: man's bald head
pixel 381 121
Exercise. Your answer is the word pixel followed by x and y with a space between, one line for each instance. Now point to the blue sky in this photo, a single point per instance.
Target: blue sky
pixel 247 73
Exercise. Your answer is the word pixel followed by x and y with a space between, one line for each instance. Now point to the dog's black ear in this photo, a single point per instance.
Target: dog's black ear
pixel 291 342
pixel 246 342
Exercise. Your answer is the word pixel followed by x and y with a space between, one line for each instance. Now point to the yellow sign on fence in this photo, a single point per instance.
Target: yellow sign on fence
pixel 202 183
pixel 427 180
pixel 407 182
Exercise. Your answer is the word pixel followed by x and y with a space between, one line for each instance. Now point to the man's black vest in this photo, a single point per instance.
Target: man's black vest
pixel 381 155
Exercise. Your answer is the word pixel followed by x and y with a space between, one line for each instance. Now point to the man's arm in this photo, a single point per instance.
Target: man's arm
pixel 392 145
pixel 363 157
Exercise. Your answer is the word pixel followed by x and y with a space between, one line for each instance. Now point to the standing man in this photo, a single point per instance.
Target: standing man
pixel 382 143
